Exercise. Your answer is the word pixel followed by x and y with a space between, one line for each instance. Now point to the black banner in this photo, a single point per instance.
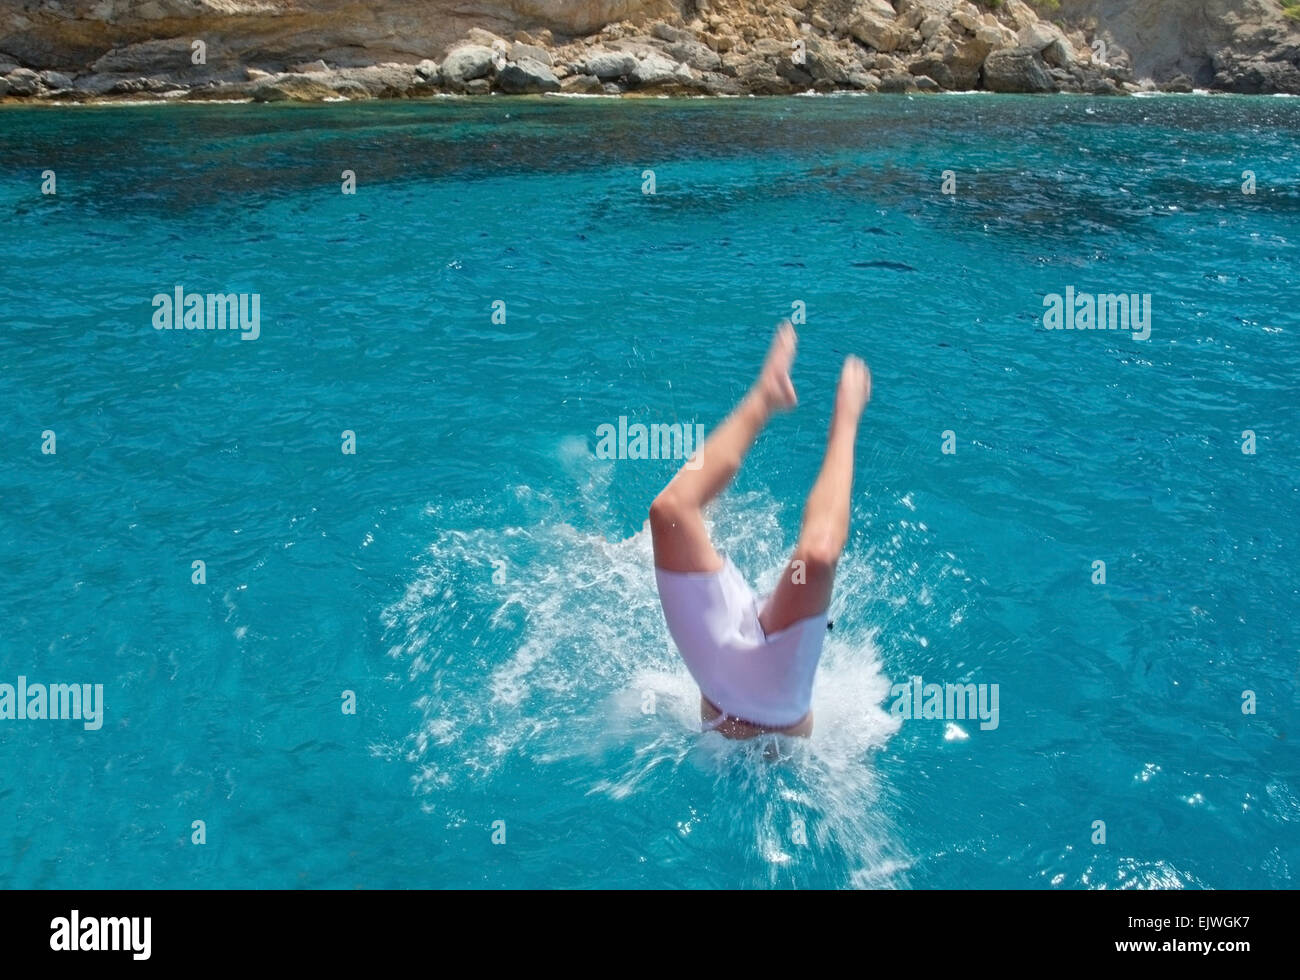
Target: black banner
pixel 337 929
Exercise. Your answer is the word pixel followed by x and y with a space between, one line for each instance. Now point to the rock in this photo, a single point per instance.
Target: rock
pixel 1255 75
pixel 256 74
pixel 885 64
pixel 56 81
pixel 897 81
pixel 527 77
pixel 656 69
pixel 716 83
pixel 4 87
pixel 930 26
pixel 910 14
pixel 607 65
pixel 23 81
pixel 211 91
pixel 609 88
pixel 875 31
pixel 291 88
pixel 162 55
pixel 965 59
pixel 1087 78
pixel 1037 35
pixel 1237 45
pixel 1059 53
pixel 478 37
pixel 1050 41
pixel 798 76
pixel 1179 83
pixel 530 52
pixel 1120 73
pixel 924 83
pixel 967 18
pixel 934 69
pixel 134 86
pixel 666 32
pixel 771 49
pixel 94 84
pixel 825 62
pixel 582 85
pixel 467 63
pixel 697 55
pixel 881 8
pixel 478 86
pixel 1022 15
pixel 386 81
pixel 1016 70
pixel 756 74
pixel 350 89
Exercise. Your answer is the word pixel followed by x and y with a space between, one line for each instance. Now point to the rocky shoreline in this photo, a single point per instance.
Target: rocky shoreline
pixel 759 48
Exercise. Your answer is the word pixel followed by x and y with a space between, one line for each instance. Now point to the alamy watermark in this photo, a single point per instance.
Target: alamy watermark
pixel 180 310
pixel 1100 311
pixel 914 699
pixel 655 441
pixel 102 933
pixel 53 702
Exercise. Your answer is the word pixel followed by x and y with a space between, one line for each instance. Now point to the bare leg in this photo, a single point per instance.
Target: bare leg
pixel 681 541
pixel 805 587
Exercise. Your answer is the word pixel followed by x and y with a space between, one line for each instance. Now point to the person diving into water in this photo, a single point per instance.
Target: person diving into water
pixel 754 660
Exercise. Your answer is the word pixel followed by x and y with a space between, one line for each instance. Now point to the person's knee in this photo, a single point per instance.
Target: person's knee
pixel 666 511
pixel 819 551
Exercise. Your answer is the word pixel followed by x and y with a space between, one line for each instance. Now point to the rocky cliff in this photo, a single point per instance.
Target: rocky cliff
pixel 319 49
pixel 1231 45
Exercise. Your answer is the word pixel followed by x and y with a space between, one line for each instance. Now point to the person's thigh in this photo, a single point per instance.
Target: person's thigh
pixel 804 591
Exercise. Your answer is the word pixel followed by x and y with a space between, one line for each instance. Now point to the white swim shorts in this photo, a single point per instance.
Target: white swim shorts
pixel 750 676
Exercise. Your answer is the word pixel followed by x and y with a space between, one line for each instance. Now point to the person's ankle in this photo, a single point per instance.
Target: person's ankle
pixel 845 420
pixel 758 401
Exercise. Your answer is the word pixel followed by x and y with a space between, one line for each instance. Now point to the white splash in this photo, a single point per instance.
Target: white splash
pixel 564 661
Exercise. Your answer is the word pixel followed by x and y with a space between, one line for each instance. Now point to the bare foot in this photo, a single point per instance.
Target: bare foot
pixel 854 391
pixel 774 385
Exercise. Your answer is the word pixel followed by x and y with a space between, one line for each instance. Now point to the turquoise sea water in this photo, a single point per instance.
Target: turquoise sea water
pixel 481 580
